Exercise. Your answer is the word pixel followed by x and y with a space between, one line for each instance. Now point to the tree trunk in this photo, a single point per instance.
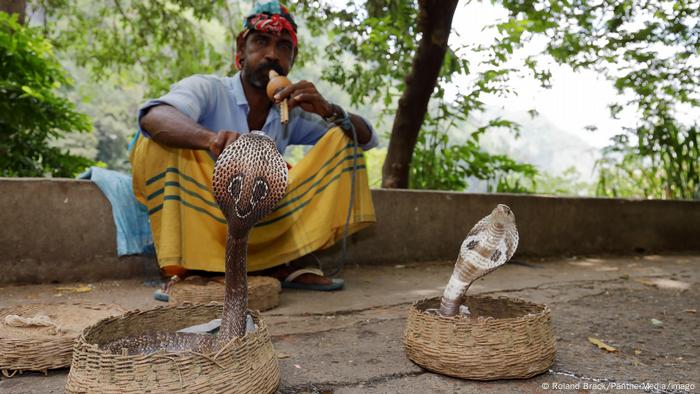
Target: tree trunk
pixel 435 23
pixel 15 7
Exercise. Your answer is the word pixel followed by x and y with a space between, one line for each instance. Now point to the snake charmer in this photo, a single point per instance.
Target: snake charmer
pixel 182 133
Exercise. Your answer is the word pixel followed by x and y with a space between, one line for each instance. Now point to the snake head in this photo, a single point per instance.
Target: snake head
pixel 250 178
pixel 503 215
pixel 493 240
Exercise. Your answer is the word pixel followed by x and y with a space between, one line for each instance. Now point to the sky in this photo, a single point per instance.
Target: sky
pixel 575 100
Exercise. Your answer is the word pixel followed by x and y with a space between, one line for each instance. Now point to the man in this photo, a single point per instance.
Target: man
pixel 181 133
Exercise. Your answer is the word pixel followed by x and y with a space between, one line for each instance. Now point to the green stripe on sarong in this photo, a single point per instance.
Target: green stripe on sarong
pixel 188 205
pixel 315 183
pixel 174 170
pixel 335 155
pixel 305 203
pixel 179 186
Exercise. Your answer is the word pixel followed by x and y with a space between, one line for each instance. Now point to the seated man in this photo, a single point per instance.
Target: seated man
pixel 182 132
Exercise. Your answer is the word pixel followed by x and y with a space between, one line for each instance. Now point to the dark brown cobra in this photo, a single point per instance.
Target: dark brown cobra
pixel 250 178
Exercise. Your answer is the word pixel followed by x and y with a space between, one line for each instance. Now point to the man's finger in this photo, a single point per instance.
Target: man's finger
pixel 222 140
pixel 307 96
pixel 289 90
pixel 230 138
pixel 218 145
pixel 215 149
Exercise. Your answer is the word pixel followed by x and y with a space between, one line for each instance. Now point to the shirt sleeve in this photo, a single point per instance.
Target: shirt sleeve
pixel 308 128
pixel 192 96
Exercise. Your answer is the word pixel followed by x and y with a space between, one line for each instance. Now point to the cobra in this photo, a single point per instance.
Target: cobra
pixel 250 178
pixel 489 244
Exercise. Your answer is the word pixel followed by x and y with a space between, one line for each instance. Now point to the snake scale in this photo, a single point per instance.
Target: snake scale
pixel 250 178
pixel 489 244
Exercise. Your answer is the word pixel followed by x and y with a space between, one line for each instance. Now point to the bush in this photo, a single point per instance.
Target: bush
pixel 33 112
pixel 440 165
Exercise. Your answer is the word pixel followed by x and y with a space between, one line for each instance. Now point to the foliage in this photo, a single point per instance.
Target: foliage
pixel 567 183
pixel 113 105
pixel 374 159
pixel 625 171
pixel 439 165
pixel 379 39
pixel 33 109
pixel 650 50
pixel 159 41
pixel 123 50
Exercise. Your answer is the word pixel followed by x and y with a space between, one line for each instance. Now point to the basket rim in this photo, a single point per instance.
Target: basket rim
pixel 543 309
pixel 82 341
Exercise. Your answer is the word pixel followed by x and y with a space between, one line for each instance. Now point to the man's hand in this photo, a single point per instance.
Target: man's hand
pixel 305 95
pixel 221 140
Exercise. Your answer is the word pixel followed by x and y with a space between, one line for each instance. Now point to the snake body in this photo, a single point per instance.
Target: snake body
pixel 489 244
pixel 250 178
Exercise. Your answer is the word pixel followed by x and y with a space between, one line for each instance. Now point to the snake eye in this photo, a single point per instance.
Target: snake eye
pixel 234 188
pixel 260 189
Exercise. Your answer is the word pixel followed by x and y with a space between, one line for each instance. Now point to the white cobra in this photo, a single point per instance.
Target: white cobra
pixel 489 244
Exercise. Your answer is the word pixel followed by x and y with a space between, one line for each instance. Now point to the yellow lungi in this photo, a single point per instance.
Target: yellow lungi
pixel 189 229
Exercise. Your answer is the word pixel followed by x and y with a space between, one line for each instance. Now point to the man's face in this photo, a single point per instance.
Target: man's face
pixel 262 52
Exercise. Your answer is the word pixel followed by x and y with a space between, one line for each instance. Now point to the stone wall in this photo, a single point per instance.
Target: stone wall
pixel 54 230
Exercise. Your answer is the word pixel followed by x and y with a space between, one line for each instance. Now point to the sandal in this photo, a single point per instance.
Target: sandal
pixel 288 282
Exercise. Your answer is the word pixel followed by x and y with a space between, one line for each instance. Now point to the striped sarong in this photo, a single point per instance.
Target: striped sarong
pixel 189 229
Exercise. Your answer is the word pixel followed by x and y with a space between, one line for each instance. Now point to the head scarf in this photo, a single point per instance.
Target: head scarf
pixel 271 17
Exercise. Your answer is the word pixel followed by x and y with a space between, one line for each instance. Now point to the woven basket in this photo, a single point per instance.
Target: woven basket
pixel 245 365
pixel 263 292
pixel 42 348
pixel 504 338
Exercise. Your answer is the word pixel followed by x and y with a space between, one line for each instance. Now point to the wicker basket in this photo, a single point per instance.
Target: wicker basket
pixel 504 338
pixel 245 365
pixel 42 348
pixel 263 292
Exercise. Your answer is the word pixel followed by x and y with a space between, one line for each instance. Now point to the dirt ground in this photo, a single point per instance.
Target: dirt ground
pixel 645 307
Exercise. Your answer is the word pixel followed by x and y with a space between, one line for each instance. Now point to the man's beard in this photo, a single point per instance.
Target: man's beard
pixel 259 77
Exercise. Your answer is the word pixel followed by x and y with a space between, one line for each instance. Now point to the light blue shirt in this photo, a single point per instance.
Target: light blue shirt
pixel 219 103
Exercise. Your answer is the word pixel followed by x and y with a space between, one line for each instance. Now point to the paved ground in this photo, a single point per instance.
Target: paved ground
pixel 350 341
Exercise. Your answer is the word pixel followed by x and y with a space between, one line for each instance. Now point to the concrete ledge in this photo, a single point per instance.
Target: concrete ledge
pixel 62 230
pixel 417 225
pixel 59 230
